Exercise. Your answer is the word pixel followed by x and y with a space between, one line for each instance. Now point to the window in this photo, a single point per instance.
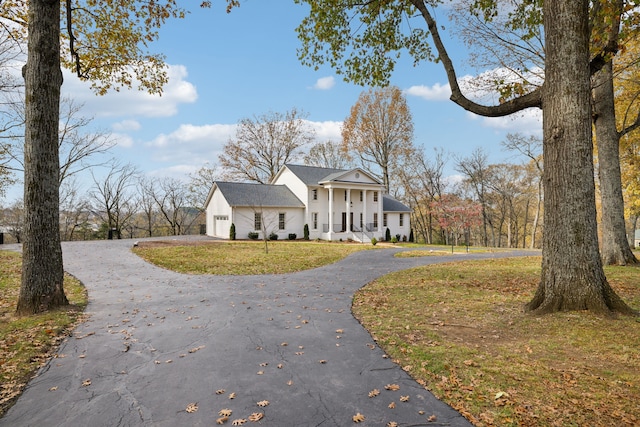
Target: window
pixel 375 219
pixel 361 195
pixel 345 195
pixel 401 220
pixel 361 224
pixel 281 221
pixel 384 220
pixel 314 220
pixel 375 196
pixel 315 194
pixel 257 221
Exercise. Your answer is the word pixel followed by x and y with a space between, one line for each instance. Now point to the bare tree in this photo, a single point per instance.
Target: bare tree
pixel 147 205
pixel 264 144
pixel 200 183
pixel 328 154
pixel 170 195
pixel 379 131
pixel 475 169
pixel 14 220
pixel 530 147
pixel 113 196
pixel 75 210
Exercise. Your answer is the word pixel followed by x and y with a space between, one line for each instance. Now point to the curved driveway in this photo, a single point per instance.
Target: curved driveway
pixel 157 341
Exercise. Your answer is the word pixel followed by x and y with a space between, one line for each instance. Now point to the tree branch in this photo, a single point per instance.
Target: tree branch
pixel 532 99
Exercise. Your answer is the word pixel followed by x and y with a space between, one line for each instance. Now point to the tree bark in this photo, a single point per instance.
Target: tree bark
pixel 572 277
pixel 42 270
pixel 615 248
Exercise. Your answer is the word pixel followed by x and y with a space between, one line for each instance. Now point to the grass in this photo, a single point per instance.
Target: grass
pixel 26 342
pixel 242 257
pixel 459 330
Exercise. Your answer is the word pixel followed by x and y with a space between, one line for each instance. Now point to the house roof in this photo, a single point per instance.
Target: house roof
pixel 258 195
pixel 313 175
pixel 389 204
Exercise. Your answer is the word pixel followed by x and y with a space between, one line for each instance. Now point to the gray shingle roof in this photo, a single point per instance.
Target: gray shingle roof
pixel 258 195
pixel 389 204
pixel 312 175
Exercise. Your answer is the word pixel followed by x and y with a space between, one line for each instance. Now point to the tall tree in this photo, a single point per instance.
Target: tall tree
pixel 379 130
pixel 572 276
pixel 475 169
pixel 108 45
pixel 263 144
pixel 328 154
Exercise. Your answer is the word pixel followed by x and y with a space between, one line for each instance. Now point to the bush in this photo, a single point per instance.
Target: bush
pixel 404 238
pixel 253 235
pixel 394 239
pixel 306 232
pixel 273 236
pixel 232 232
pixel 387 235
pixel 374 241
pixel 411 238
pixel 292 236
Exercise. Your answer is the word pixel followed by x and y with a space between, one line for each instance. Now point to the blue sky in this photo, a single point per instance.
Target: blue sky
pixel 225 67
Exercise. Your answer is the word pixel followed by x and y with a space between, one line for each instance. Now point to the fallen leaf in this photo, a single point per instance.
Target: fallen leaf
pixel 284 344
pixel 232 395
pixel 260 372
pixel 374 392
pixel 358 418
pixel 263 403
pixel 225 412
pixel 290 383
pixel 220 391
pixel 339 331
pixel 53 388
pixel 86 382
pixel 299 353
pixel 280 366
pixel 392 387
pixel 392 405
pixel 222 420
pixel 238 422
pixel 322 361
pixel 192 407
pixel 392 424
pixel 264 364
pixel 404 398
pixel 256 416
pixel 432 418
pixel 501 394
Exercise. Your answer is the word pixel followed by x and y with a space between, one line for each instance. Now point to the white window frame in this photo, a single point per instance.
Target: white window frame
pixel 282 222
pixel 257 221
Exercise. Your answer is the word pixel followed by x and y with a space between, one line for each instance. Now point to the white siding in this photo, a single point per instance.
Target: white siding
pixel 218 207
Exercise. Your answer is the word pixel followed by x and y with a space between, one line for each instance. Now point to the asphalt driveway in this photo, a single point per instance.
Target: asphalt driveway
pixel 167 349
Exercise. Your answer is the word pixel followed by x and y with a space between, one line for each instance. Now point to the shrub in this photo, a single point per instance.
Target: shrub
pixel 394 239
pixel 306 232
pixel 253 235
pixel 404 237
pixel 387 235
pixel 397 237
pixel 292 236
pixel 232 232
pixel 273 236
pixel 411 238
pixel 374 241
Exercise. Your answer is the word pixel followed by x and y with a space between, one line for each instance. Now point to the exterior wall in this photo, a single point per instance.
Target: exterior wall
pixel 393 224
pixel 244 221
pixel 216 209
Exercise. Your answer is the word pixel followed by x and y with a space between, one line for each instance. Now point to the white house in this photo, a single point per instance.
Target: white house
pixel 334 203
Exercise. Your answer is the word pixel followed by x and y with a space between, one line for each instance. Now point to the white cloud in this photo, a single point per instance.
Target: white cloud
pixel 190 144
pixel 327 130
pixel 325 83
pixel 126 125
pixel 437 92
pixel 122 140
pixel 528 122
pixel 134 102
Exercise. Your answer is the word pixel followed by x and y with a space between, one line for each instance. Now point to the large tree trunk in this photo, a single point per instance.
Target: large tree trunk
pixel 42 270
pixel 572 277
pixel 615 248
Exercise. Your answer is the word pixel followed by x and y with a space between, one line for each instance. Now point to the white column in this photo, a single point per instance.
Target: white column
pixel 330 213
pixel 348 202
pixel 379 210
pixel 364 210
